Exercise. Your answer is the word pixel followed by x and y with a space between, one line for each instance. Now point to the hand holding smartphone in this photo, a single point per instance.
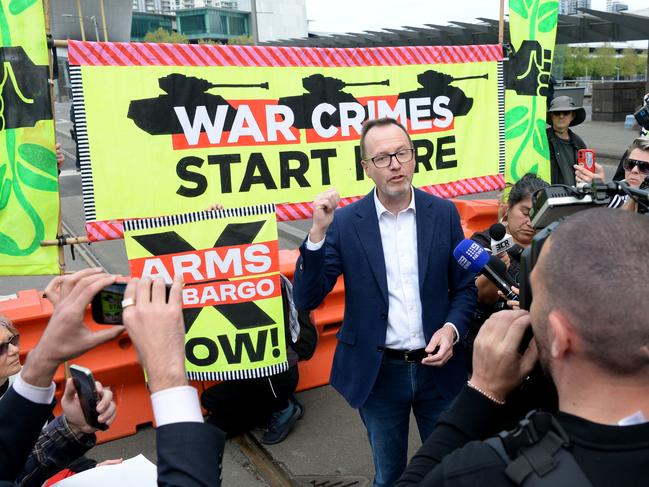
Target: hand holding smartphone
pixel 84 383
pixel 586 159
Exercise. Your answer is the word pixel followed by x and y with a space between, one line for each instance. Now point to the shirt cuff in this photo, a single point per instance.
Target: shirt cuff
pixel 176 405
pixel 457 335
pixel 35 394
pixel 314 246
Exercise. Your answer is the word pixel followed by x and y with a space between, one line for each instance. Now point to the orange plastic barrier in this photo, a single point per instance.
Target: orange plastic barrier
pixel 476 215
pixel 115 363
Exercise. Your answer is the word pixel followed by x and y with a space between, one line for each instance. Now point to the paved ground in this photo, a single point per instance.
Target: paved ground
pixel 330 439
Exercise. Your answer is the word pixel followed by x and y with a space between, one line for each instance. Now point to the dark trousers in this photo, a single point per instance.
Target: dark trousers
pixel 400 387
pixel 238 406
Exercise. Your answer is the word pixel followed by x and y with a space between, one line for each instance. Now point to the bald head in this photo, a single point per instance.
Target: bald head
pixel 595 272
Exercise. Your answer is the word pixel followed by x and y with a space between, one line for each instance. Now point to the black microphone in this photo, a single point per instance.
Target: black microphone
pixel 501 241
pixel 496 272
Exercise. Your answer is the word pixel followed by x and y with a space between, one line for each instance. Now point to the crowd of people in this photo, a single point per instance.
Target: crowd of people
pixel 411 315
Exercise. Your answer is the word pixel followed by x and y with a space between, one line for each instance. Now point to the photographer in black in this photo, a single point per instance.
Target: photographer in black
pixel 592 336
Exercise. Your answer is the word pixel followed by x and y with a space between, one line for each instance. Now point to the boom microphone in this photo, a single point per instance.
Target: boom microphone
pixel 501 241
pixel 473 258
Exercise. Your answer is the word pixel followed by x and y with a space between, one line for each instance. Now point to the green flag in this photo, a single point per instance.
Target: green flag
pixel 29 203
pixel 532 27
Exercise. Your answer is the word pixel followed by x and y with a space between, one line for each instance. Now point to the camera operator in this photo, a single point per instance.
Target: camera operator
pixel 619 173
pixel 592 337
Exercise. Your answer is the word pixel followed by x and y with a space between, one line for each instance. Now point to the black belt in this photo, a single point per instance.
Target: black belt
pixel 405 355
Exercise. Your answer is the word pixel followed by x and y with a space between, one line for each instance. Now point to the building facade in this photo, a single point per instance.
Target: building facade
pixel 153 6
pixel 569 7
pixel 281 19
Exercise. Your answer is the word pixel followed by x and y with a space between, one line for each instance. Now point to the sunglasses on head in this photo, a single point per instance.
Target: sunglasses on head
pixel 14 340
pixel 642 166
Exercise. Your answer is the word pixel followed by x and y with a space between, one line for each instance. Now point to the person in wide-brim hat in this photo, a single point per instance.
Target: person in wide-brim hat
pixel 564 144
pixel 565 104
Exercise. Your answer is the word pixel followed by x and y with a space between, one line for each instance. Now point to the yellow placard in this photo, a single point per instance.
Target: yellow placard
pixel 229 263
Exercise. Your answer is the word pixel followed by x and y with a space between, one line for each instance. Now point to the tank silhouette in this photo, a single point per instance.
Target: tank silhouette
pixel 436 84
pixel 25 92
pixel 322 89
pixel 156 116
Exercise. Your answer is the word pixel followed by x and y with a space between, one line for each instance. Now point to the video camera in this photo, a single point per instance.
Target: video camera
pixel 642 116
pixel 552 204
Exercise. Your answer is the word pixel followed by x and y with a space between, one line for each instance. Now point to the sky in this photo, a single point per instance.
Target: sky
pixel 360 15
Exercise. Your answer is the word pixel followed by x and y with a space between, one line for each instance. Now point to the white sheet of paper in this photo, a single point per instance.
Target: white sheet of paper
pixel 134 472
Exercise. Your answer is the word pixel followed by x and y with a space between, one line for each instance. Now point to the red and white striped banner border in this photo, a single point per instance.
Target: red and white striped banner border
pixel 158 54
pixel 114 229
pixel 105 230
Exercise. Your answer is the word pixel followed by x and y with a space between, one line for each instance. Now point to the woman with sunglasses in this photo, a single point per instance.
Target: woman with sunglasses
pixel 66 437
pixel 9 354
pixel 636 169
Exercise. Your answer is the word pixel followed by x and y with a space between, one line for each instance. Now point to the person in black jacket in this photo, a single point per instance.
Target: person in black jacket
pixel 564 143
pixel 591 334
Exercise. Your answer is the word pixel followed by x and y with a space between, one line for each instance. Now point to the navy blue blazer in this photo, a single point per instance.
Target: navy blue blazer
pixel 353 248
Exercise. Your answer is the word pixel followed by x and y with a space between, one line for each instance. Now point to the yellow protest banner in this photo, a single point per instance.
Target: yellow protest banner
pixel 29 203
pixel 176 127
pixel 232 301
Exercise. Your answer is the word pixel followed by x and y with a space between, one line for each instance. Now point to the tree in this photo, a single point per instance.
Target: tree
pixel 577 63
pixel 604 62
pixel 628 63
pixel 241 41
pixel 162 35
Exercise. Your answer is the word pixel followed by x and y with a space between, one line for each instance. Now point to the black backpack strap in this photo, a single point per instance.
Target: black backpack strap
pixel 537 454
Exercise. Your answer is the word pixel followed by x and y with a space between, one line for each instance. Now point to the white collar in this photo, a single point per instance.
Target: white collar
pixel 380 209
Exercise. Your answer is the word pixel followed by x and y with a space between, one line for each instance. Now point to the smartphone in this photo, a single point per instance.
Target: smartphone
pixel 84 383
pixel 106 306
pixel 586 158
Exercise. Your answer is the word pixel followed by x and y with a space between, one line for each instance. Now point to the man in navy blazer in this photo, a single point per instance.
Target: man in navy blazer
pixel 407 302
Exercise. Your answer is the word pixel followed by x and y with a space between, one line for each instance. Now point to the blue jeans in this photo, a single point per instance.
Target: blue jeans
pixel 400 387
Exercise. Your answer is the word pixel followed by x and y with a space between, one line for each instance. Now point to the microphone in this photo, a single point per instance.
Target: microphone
pixel 501 241
pixel 472 257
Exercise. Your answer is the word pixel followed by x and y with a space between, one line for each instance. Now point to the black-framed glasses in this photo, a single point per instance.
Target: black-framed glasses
pixel 14 340
pixel 565 113
pixel 643 166
pixel 403 157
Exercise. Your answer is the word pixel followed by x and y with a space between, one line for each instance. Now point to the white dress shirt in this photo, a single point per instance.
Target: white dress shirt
pixel 399 242
pixel 173 405
pixel 176 405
